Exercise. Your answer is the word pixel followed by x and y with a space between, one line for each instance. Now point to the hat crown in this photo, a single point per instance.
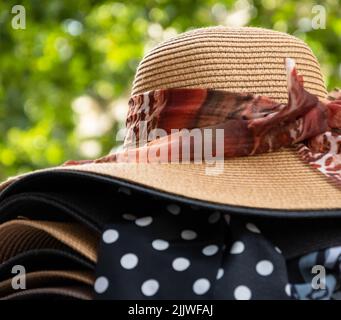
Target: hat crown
pixel 243 59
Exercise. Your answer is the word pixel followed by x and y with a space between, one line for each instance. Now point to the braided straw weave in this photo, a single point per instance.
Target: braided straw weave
pixel 240 60
pixel 233 59
pixel 21 235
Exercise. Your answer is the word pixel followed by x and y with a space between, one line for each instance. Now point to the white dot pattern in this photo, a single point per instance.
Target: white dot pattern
pixel 210 250
pixel 252 227
pixel 220 273
pixel 129 261
pixel 278 250
pixel 128 216
pixel 264 268
pixel 174 209
pixel 101 284
pixel 144 222
pixel 201 286
pixel 288 290
pixel 150 287
pixel 180 264
pixel 185 252
pixel 237 247
pixel 188 234
pixel 160 244
pixel 110 236
pixel 242 293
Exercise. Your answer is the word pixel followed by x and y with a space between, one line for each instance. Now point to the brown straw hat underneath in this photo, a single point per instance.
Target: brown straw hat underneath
pixel 238 60
pixel 20 235
pixel 48 278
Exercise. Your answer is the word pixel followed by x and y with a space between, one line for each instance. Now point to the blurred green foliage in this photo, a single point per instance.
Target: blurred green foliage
pixel 65 79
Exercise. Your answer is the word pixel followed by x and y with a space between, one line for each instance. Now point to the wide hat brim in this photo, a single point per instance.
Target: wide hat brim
pixel 277 183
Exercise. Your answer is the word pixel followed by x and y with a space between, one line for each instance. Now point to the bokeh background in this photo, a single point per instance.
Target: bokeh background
pixel 65 80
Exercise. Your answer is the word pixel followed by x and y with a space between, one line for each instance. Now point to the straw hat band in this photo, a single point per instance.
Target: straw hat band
pixel 250 124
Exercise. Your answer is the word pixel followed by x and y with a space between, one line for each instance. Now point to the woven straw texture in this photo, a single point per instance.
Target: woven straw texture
pixel 20 235
pixel 233 59
pixel 47 278
pixel 240 60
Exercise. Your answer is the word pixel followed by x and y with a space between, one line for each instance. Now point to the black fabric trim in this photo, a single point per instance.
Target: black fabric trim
pixel 31 182
pixel 44 207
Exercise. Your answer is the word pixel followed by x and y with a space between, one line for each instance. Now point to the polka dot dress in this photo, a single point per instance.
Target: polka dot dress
pixel 175 251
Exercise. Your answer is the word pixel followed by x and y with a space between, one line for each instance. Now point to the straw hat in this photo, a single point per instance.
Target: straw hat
pixel 46 278
pixel 21 235
pixel 238 60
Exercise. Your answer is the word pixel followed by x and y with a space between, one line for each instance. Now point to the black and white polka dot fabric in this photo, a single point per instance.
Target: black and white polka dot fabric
pixel 158 246
pixel 180 252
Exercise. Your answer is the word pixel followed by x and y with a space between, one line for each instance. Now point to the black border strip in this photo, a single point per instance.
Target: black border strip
pixel 246 211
